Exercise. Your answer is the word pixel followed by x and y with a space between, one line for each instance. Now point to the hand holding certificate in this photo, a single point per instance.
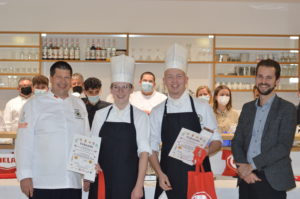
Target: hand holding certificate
pixel 186 142
pixel 84 156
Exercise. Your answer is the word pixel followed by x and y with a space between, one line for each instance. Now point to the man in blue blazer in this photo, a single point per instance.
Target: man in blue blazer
pixel 263 139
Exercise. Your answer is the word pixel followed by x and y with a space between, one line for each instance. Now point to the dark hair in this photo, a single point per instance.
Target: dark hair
pixel 147 73
pixel 270 63
pixel 60 65
pixel 92 82
pixel 215 101
pixel 40 79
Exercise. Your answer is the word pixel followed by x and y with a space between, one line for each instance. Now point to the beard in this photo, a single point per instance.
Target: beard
pixel 266 92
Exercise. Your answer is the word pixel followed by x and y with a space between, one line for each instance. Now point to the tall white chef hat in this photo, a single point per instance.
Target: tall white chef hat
pixel 176 57
pixel 122 69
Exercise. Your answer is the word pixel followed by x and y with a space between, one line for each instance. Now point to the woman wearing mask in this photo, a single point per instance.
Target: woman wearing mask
pixel 203 92
pixel 227 117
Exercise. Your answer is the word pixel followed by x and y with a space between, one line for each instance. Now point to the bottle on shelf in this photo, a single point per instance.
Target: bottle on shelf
pixel 103 50
pixel 93 51
pixel 98 50
pixel 77 50
pixel 45 49
pixel 87 52
pixel 108 50
pixel 72 50
pixel 50 49
pixel 113 48
pixel 61 50
pixel 66 50
pixel 55 50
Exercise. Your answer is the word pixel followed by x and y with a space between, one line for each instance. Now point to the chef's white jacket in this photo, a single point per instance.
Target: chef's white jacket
pixel 12 112
pixel 181 105
pixel 46 129
pixel 141 123
pixel 145 102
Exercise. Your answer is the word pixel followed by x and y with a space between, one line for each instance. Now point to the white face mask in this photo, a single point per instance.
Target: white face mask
pixel 147 87
pixel 93 99
pixel 39 91
pixel 223 100
pixel 205 97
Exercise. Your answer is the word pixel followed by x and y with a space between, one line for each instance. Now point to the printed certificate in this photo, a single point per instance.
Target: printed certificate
pixel 186 142
pixel 84 156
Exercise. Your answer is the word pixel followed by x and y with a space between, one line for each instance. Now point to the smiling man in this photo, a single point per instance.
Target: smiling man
pixel 47 126
pixel 263 139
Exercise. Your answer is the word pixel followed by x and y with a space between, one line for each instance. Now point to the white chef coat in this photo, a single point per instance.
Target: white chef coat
pixel 145 102
pixel 12 112
pixel 141 123
pixel 44 140
pixel 181 105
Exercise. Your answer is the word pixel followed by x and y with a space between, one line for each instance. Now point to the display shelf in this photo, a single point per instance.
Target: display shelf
pixel 236 62
pixel 89 61
pixel 8 88
pixel 19 46
pixel 249 76
pixel 190 62
pixel 19 60
pixel 258 49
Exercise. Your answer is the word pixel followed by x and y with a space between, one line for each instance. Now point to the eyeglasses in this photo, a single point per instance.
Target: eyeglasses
pixel 121 87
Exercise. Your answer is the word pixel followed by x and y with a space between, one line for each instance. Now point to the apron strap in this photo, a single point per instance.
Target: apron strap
pixel 108 113
pixel 131 115
pixel 192 104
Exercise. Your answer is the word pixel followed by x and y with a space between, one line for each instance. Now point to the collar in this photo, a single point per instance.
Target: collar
pixel 269 102
pixel 181 100
pixel 121 110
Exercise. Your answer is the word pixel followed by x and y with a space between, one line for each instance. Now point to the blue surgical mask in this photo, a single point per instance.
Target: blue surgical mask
pixel 93 99
pixel 39 91
pixel 147 87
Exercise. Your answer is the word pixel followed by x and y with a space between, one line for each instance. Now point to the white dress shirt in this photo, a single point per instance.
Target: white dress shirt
pixel 181 105
pixel 141 123
pixel 46 130
pixel 12 112
pixel 145 102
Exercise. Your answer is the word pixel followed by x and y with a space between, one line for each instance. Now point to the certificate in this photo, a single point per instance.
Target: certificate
pixel 84 156
pixel 187 141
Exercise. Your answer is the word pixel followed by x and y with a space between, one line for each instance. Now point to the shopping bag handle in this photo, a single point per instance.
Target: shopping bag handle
pixel 101 185
pixel 199 159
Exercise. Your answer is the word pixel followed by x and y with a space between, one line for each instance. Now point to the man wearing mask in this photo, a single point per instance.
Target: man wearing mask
pixel 40 85
pixel 77 85
pixel 147 97
pixel 169 117
pixel 14 106
pixel 92 90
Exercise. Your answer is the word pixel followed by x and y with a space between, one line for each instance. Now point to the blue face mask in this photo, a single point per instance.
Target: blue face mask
pixel 93 99
pixel 147 87
pixel 39 91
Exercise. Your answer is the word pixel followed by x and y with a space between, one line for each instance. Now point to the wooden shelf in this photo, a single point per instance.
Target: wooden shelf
pixel 258 49
pixel 10 134
pixel 19 74
pixel 19 46
pixel 248 76
pixel 8 88
pixel 162 61
pixel 250 90
pixel 236 62
pixel 65 60
pixel 20 60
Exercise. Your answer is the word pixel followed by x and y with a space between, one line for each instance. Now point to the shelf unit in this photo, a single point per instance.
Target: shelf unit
pixel 19 56
pixel 237 50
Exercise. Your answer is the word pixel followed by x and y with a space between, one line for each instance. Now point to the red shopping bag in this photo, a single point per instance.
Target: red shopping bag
pixel 200 183
pixel 101 185
pixel 230 168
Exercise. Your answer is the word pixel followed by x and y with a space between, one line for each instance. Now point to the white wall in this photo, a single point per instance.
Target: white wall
pixel 151 16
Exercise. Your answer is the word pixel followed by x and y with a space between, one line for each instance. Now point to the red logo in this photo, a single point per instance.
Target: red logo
pixel 230 162
pixel 201 195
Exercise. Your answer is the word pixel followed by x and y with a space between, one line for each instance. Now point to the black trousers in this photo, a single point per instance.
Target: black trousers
pixel 56 194
pixel 259 190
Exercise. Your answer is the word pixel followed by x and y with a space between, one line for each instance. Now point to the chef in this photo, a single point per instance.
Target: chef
pixel 147 97
pixel 46 129
pixel 168 118
pixel 125 132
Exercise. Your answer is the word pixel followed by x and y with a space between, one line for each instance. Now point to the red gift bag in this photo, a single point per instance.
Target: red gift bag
pixel 230 168
pixel 200 183
pixel 101 185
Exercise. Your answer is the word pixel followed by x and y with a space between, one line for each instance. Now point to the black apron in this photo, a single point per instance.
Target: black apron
pixel 177 170
pixel 118 159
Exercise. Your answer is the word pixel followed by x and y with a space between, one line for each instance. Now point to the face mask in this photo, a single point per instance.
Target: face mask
pixel 147 87
pixel 77 89
pixel 223 100
pixel 93 99
pixel 26 90
pixel 39 91
pixel 205 97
